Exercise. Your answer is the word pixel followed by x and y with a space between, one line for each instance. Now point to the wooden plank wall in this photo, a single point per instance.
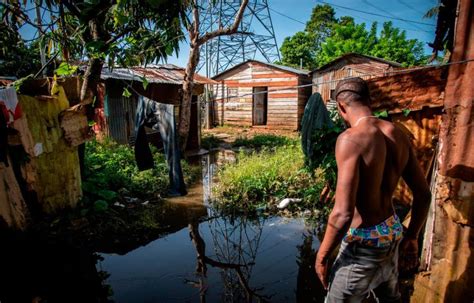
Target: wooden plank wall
pixel 365 69
pixel 284 99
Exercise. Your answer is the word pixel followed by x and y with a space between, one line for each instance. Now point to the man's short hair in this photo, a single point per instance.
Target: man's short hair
pixel 353 90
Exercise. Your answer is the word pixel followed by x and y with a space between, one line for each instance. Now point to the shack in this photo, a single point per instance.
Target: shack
pixel 119 92
pixel 326 77
pixel 255 93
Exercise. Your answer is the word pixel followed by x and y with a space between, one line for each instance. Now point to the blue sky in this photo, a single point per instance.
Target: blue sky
pixel 301 11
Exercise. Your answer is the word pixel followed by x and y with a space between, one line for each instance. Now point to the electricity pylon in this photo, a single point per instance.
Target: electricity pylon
pixel 255 35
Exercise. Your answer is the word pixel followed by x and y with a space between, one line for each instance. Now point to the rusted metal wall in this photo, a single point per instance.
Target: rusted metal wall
pixel 449 274
pixel 234 100
pixel 325 79
pixel 414 102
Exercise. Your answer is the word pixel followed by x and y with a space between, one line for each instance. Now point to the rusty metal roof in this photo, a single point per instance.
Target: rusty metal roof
pixel 354 55
pixel 163 73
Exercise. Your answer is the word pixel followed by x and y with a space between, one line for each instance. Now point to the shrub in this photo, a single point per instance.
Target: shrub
pixel 210 141
pixel 259 141
pixel 259 179
pixel 111 167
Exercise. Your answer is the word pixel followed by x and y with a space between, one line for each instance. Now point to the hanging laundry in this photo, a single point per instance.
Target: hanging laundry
pixel 315 116
pixel 160 117
pixel 9 104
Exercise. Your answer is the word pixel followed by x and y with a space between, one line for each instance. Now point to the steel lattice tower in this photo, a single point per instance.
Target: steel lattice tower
pixel 255 36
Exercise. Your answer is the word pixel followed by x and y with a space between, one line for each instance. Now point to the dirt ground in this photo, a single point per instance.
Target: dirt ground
pixel 229 133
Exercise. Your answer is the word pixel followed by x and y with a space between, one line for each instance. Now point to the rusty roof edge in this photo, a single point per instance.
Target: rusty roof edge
pixel 172 75
pixel 329 64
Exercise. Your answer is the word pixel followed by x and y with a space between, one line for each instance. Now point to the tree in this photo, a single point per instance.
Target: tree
pixel 126 32
pixel 16 57
pixel 348 37
pixel 303 46
pixel 299 50
pixel 320 24
pixel 393 45
pixel 196 39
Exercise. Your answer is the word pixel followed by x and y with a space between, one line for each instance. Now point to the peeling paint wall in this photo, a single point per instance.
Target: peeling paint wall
pixel 450 269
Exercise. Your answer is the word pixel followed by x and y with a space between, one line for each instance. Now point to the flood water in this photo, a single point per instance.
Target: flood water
pixel 202 257
pixel 219 258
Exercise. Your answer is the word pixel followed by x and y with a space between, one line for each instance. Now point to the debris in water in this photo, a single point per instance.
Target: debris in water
pixel 285 202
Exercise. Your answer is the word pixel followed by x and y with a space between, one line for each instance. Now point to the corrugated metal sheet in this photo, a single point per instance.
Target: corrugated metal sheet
pixel 166 73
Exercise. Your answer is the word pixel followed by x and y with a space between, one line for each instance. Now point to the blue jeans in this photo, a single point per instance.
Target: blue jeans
pixel 360 269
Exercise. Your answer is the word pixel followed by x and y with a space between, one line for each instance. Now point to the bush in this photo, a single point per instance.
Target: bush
pixel 110 168
pixel 259 141
pixel 210 141
pixel 260 179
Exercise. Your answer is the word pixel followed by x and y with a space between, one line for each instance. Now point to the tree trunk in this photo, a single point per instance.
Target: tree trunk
pixel 94 68
pixel 185 110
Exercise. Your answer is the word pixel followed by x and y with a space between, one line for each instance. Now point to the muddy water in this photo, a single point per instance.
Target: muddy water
pixel 196 256
pixel 218 258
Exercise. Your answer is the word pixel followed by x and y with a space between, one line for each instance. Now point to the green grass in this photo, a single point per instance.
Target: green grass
pixel 260 180
pixel 110 169
pixel 259 141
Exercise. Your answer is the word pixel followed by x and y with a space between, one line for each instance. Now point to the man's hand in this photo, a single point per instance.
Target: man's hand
pixel 408 254
pixel 322 270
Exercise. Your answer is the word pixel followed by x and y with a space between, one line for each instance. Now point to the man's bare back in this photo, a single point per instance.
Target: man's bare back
pixel 371 157
pixel 384 151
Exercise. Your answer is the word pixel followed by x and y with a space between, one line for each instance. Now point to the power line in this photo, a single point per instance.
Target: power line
pixel 368 20
pixel 389 13
pixel 411 7
pixel 387 73
pixel 376 14
pixel 291 18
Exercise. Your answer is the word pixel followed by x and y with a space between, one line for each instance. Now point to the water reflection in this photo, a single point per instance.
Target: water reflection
pixel 195 255
pixel 221 260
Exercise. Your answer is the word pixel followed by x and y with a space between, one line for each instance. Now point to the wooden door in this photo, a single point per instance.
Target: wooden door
pixel 260 105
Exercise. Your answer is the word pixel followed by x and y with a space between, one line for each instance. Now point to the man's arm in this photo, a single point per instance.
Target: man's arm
pixel 347 158
pixel 416 181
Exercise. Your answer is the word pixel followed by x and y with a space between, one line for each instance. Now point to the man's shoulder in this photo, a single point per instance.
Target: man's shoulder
pixel 349 139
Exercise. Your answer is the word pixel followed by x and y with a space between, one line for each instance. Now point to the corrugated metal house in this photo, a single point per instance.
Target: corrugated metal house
pixel 255 93
pixel 349 65
pixel 115 113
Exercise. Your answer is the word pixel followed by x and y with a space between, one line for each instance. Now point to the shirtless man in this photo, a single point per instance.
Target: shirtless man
pixel 371 157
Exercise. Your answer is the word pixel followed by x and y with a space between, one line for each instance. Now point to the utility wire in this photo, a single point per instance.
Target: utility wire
pixel 286 16
pixel 389 13
pixel 379 15
pixel 388 73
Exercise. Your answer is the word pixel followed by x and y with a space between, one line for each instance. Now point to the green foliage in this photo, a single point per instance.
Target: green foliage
pixel 392 44
pixel 346 38
pixel 324 157
pixel 305 45
pixel 326 38
pixel 260 179
pixel 65 69
pixel 259 141
pixel 381 114
pixel 210 141
pixel 17 58
pixel 298 49
pixel 110 168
